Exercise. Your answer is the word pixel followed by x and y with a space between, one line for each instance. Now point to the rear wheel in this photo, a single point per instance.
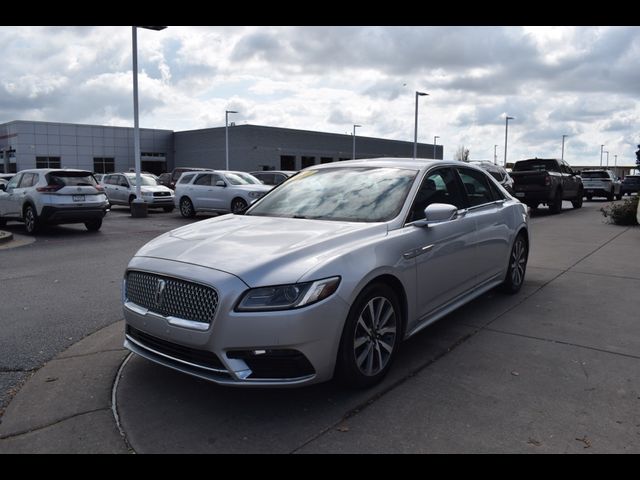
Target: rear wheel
pixel 517 265
pixel 31 221
pixel 577 202
pixel 186 208
pixel 619 196
pixel 93 225
pixel 370 338
pixel 556 205
pixel 589 198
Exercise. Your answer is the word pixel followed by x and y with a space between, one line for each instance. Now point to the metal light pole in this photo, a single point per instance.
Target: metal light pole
pixel 434 145
pixel 506 129
pixel 353 155
pixel 226 135
pixel 601 149
pixel 138 205
pixel 495 155
pixel 563 137
pixel 615 161
pixel 415 130
pixel 607 152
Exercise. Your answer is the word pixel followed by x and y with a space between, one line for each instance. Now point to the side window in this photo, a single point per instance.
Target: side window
pixel 476 185
pixel 439 186
pixel 186 178
pixel 13 183
pixel 216 178
pixel 203 179
pixel 27 180
pixel 566 168
pixel 495 191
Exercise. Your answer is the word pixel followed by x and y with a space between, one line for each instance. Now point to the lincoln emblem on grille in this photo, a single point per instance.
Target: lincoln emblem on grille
pixel 160 286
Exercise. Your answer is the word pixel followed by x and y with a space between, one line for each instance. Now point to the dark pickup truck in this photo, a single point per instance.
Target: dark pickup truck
pixel 547 181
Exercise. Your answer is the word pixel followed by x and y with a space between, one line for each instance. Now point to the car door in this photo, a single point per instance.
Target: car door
pixel 221 195
pixel 487 209
pixel 9 200
pixel 444 253
pixel 571 182
pixel 201 192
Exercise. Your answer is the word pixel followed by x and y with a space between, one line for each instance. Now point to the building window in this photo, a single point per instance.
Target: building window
pixel 326 159
pixel 287 162
pixel 307 161
pixel 47 162
pixel 103 165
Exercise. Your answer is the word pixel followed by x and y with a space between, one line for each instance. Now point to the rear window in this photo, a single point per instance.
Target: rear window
pixel 594 175
pixel 537 164
pixel 71 179
pixel 186 178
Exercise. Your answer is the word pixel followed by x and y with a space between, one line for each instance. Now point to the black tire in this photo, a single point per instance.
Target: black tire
pixel 556 205
pixel 238 205
pixel 31 220
pixel 3 222
pixel 619 196
pixel 589 198
pixel 93 225
pixel 577 202
pixel 131 199
pixel 366 364
pixel 517 265
pixel 186 208
pixel 168 209
pixel 610 196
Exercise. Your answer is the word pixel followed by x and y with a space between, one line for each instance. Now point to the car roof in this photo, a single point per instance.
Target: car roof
pixel 391 162
pixel 49 170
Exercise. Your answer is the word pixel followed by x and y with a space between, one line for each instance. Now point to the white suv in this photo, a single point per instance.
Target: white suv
pixel 53 196
pixel 601 183
pixel 217 191
pixel 121 190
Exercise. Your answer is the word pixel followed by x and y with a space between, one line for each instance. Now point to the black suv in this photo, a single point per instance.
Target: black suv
pixel 630 184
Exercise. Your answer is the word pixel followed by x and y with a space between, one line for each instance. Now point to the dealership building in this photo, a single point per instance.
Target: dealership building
pixel 105 149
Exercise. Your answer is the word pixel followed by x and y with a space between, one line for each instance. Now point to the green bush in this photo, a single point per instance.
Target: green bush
pixel 622 213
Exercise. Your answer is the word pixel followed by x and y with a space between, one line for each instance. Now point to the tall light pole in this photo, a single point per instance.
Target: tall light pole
pixel 601 149
pixel 495 155
pixel 506 130
pixel 138 205
pixel 415 130
pixel 226 136
pixel 353 155
pixel 563 137
pixel 607 152
pixel 436 137
pixel 615 161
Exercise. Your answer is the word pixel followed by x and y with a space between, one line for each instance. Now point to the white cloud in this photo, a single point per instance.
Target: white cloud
pixel 579 81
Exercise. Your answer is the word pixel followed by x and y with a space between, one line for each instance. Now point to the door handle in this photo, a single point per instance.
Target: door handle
pixel 417 251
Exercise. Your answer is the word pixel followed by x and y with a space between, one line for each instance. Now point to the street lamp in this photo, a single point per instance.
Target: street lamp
pixel 434 145
pixel 601 149
pixel 506 129
pixel 226 135
pixel 138 205
pixel 563 137
pixel 415 130
pixel 495 155
pixel 353 155
pixel 607 152
pixel 615 161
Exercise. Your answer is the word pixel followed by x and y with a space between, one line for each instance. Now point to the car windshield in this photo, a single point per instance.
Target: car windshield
pixel 354 194
pixel 147 180
pixel 594 175
pixel 241 178
pixel 540 165
pixel 630 179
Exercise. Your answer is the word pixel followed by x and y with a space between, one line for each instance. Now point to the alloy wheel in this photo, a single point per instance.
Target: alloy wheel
pixel 375 336
pixel 518 262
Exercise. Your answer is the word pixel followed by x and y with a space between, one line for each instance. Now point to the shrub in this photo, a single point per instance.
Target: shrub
pixel 622 213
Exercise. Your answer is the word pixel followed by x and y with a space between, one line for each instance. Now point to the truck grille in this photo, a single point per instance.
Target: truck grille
pixel 172 297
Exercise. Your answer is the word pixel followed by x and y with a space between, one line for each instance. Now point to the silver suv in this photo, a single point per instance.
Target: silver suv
pixel 53 196
pixel 121 190
pixel 601 183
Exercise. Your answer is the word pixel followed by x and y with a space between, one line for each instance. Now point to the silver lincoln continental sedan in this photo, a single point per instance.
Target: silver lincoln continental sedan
pixel 326 274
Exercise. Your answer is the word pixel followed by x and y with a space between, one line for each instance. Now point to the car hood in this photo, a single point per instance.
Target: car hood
pixel 260 250
pixel 154 188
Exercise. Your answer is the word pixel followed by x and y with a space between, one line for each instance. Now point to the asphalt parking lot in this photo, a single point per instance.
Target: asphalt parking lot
pixel 553 369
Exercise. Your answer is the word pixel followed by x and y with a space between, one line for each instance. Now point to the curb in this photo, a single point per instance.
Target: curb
pixel 5 236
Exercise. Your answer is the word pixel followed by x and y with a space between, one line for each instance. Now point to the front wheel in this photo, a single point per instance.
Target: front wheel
pixel 238 205
pixel 370 338
pixel 577 202
pixel 186 208
pixel 517 265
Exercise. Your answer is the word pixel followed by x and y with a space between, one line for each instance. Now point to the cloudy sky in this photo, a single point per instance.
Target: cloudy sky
pixel 583 82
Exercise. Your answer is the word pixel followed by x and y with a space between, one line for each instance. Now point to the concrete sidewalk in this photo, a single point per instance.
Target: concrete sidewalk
pixel 555 368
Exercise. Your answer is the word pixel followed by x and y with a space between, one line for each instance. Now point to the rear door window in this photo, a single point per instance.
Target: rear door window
pixel 476 185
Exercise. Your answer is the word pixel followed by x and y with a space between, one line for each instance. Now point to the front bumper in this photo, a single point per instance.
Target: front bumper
pixel 266 349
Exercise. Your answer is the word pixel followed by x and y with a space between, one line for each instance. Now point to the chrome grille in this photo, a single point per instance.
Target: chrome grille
pixel 171 297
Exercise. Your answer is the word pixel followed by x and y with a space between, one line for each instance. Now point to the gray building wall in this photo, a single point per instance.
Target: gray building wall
pixel 253 147
pixel 77 145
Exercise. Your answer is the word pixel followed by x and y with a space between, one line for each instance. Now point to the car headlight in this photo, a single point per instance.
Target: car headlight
pixel 255 194
pixel 286 297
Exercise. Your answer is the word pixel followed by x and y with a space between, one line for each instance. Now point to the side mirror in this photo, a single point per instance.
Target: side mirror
pixel 437 213
pixel 220 183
